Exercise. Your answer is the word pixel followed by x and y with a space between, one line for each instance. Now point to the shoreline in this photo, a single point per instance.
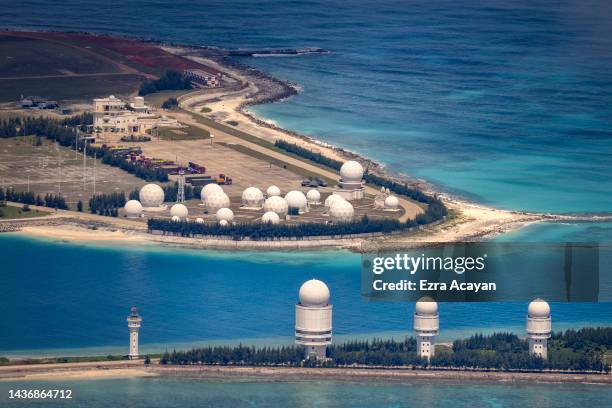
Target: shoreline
pixel 136 368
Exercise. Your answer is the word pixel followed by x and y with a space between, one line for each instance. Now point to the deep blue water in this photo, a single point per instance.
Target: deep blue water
pixel 60 298
pixel 506 103
pixel 151 392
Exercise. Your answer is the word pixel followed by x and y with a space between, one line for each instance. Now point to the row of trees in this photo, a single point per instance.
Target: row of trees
pixel 142 172
pixel 107 204
pixel 502 351
pixel 436 210
pixel 262 231
pixel 170 80
pixel 26 197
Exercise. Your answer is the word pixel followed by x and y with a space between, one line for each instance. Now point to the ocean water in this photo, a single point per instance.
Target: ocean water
pixel 153 392
pixel 509 104
pixel 69 299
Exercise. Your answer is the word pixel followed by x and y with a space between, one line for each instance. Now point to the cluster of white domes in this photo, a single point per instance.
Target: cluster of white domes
pixel 179 210
pixel 351 172
pixel 225 214
pixel 539 309
pixel 296 200
pixel 252 197
pixel 331 199
pixel 313 196
pixel 276 204
pixel 208 190
pixel 133 209
pixel 314 293
pixel 273 191
pixel 426 307
pixel 151 195
pixel 341 211
pixel 270 217
pixel 391 203
pixel 176 218
pixel 215 201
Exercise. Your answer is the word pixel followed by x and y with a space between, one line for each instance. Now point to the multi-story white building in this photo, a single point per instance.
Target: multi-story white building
pixel 539 327
pixel 113 115
pixel 426 326
pixel 313 319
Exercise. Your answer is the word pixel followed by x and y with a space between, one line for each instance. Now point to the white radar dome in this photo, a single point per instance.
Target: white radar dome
pixel 296 199
pixel 341 211
pixel 270 217
pixel 273 191
pixel 176 218
pixel 133 209
pixel 200 220
pixel 252 197
pixel 351 172
pixel 179 210
pixel 223 223
pixel 313 196
pixel 391 202
pixel 216 201
pixel 314 293
pixel 426 307
pixel 332 199
pixel 225 214
pixel 276 204
pixel 151 195
pixel 539 308
pixel 209 189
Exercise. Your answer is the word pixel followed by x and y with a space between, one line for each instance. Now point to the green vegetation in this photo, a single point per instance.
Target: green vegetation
pixel 572 350
pixel 145 173
pixel 61 360
pixel 171 80
pixel 232 122
pixel 170 103
pixel 50 200
pixel 255 231
pixel 206 109
pixel 9 212
pixel 107 204
pixel 184 133
pixel 136 139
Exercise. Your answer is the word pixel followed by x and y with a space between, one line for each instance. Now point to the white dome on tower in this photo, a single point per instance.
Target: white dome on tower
pixel 351 172
pixel 426 307
pixel 314 293
pixel 296 199
pixel 273 191
pixel 215 201
pixel 313 196
pixel 210 189
pixel 225 214
pixel 133 209
pixel 270 217
pixel 151 195
pixel 176 218
pixel 341 211
pixel 332 199
pixel 252 197
pixel 391 202
pixel 276 204
pixel 179 210
pixel 539 308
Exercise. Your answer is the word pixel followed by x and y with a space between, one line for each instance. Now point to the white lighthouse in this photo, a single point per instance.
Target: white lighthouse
pixel 426 326
pixel 313 319
pixel 134 321
pixel 539 327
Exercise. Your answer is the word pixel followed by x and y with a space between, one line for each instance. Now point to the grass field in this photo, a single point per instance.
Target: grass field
pixel 184 133
pixel 9 212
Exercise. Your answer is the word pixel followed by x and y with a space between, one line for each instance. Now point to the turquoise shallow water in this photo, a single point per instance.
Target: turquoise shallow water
pixel 149 393
pixel 70 299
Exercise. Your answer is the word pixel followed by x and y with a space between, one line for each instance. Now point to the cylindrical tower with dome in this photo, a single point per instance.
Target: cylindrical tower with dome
pixel 134 320
pixel 426 326
pixel 539 327
pixel 313 319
